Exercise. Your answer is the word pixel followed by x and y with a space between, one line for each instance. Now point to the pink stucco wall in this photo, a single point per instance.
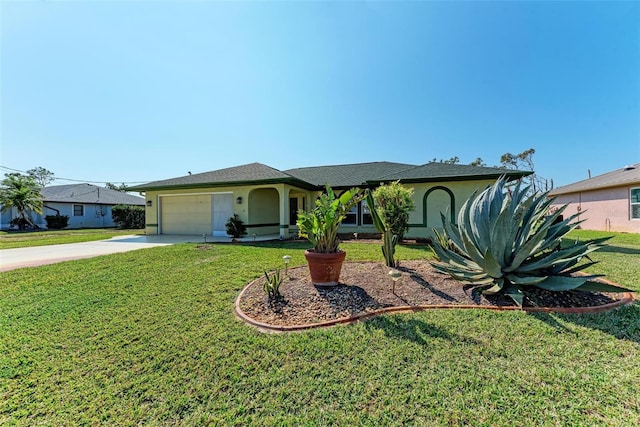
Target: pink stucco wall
pixel 605 209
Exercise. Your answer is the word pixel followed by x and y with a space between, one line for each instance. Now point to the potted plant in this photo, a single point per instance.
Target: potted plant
pixel 320 227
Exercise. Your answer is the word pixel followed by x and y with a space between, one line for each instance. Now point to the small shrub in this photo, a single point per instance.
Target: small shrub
pixel 389 240
pixel 235 227
pixel 272 285
pixel 57 221
pixel 22 223
pixel 394 203
pixel 126 216
pixel 390 205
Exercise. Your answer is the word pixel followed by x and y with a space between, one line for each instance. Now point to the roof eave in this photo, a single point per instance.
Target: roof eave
pixel 558 191
pixel 510 177
pixel 290 181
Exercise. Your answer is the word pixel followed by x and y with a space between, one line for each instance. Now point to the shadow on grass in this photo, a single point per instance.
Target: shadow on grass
pixel 566 242
pixel 416 330
pixel 622 323
pixel 620 250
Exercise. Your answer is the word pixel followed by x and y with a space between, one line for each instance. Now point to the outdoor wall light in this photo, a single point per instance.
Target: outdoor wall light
pixel 239 200
pixel 149 203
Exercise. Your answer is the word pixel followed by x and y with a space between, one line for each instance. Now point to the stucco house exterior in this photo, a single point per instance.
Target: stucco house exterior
pixel 267 200
pixel 87 205
pixel 607 202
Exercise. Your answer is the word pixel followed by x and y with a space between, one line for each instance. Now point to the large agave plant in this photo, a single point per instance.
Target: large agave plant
pixel 509 241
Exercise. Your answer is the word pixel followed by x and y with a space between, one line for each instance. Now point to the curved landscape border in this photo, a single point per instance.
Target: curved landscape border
pixel 627 298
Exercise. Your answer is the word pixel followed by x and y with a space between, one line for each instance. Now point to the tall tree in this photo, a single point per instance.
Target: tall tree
pixel 524 161
pixel 122 187
pixel 452 161
pixel 23 193
pixel 41 176
pixel 521 161
pixel 477 162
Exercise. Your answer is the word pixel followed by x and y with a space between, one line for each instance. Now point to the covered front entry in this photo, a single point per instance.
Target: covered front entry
pixel 195 213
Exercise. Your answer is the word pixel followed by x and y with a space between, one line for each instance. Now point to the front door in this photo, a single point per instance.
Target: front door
pixel 293 210
pixel 222 205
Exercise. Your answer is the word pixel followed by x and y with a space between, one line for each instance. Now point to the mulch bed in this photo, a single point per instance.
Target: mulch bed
pixel 366 288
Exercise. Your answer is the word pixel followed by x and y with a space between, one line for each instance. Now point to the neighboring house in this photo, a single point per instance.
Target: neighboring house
pixel 608 202
pixel 88 206
pixel 267 200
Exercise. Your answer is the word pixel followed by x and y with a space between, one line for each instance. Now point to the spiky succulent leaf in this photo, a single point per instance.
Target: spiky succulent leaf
pixel 377 221
pixel 456 261
pixel 512 241
pixel 498 286
pixel 596 286
pixel 491 265
pixel 451 232
pixel 524 280
pixel 504 232
pixel 563 283
pixel 515 293
pixel 573 270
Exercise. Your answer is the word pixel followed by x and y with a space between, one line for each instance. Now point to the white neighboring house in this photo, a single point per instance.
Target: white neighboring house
pixel 87 205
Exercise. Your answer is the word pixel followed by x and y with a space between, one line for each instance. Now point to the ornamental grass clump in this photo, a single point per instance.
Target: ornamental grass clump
pixel 272 285
pixel 509 242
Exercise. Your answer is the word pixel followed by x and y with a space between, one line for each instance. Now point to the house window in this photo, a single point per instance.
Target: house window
pixel 635 203
pixel 352 217
pixel 78 210
pixel 366 214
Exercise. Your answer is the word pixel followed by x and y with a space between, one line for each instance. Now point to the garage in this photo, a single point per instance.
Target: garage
pixel 186 214
pixel 195 213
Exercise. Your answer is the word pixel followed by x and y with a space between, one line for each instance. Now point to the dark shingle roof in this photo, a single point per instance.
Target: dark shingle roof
pixel 629 175
pixel 337 176
pixel 244 174
pixel 87 193
pixel 436 171
pixel 347 175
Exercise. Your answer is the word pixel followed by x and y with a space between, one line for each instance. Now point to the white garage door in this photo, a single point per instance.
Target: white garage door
pixel 222 211
pixel 185 214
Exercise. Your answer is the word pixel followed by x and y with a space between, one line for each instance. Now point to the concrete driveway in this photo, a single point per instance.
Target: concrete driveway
pixel 11 259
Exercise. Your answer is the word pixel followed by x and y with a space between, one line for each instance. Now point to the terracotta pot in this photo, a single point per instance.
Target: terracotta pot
pixel 324 268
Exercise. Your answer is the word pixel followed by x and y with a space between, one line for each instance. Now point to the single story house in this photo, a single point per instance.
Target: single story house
pixel 607 202
pixel 86 205
pixel 267 200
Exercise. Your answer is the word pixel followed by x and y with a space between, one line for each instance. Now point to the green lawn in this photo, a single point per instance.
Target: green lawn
pixel 10 240
pixel 149 338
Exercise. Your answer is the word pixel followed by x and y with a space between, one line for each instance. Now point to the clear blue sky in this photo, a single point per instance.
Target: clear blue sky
pixel 135 91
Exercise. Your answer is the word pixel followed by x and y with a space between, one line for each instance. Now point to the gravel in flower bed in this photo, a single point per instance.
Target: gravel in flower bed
pixel 366 287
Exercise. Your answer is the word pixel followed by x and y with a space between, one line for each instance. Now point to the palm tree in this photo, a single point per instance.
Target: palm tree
pixel 23 193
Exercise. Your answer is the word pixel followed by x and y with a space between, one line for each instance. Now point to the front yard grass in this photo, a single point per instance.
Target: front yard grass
pixel 11 240
pixel 149 338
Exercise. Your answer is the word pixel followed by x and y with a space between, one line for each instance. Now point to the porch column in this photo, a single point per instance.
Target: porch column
pixel 283 191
